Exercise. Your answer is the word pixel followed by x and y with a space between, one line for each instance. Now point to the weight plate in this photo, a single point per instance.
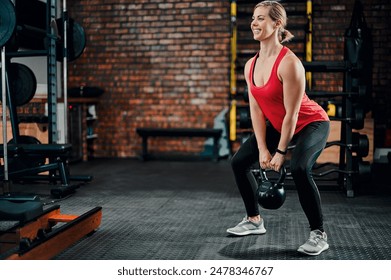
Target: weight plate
pixel 363 169
pixel 23 83
pixel 331 110
pixel 7 21
pixel 359 116
pixel 360 144
pixel 363 146
pixel 245 95
pixel 76 40
pixel 244 117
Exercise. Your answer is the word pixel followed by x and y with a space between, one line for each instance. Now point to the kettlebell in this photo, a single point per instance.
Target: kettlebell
pixel 271 194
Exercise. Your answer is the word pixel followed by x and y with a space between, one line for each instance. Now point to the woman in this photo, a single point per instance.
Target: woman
pixel 282 115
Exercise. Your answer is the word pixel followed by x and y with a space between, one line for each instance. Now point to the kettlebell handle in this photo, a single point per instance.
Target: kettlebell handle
pixel 280 179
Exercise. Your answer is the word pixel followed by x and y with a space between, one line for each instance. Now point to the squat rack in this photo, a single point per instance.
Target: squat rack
pixel 38 233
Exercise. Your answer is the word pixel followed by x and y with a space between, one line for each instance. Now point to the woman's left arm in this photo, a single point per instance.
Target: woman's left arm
pixel 292 74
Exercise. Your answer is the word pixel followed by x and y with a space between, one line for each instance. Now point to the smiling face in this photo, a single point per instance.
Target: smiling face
pixel 262 25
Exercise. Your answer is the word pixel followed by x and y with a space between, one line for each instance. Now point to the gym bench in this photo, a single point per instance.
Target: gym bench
pixel 179 132
pixel 58 153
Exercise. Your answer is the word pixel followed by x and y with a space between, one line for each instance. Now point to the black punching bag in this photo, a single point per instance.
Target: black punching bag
pixel 359 52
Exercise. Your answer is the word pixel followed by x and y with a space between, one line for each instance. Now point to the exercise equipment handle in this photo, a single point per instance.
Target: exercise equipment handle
pixel 281 178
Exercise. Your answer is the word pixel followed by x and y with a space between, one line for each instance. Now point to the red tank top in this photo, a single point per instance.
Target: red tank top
pixel 270 99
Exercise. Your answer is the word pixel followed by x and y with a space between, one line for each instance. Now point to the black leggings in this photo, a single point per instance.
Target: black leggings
pixel 309 143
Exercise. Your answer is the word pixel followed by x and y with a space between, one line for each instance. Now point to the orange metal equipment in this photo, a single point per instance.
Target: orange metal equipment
pixel 48 234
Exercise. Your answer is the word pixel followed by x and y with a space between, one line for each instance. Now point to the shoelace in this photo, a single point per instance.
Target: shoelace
pixel 245 220
pixel 314 240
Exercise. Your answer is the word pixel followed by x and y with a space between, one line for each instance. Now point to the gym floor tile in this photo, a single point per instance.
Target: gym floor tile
pixel 181 210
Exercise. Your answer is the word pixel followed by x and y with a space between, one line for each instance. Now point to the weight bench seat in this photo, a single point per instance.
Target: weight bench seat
pixel 179 132
pixel 59 154
pixel 47 150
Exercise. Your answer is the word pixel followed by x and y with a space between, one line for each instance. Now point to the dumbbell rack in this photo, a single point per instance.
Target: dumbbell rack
pixel 350 167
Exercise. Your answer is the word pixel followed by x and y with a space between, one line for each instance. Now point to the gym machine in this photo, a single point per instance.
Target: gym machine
pixel 34 232
pixel 41 234
pixel 41 34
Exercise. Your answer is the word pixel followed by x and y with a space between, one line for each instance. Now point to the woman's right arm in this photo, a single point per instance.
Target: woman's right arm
pixel 258 122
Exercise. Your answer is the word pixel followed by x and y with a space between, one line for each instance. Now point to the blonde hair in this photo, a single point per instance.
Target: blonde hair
pixel 277 12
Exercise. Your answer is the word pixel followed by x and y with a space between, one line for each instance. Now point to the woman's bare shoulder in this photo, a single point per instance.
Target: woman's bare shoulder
pixel 290 62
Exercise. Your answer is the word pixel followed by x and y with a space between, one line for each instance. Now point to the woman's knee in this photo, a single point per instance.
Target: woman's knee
pixel 245 156
pixel 237 162
pixel 298 170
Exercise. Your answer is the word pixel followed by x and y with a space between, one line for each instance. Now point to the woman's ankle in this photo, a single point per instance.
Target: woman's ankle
pixel 254 219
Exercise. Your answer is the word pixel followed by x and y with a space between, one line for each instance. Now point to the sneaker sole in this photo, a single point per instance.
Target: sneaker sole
pixel 301 250
pixel 252 232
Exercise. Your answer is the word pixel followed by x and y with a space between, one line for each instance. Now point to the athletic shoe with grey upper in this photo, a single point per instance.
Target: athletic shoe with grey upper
pixel 247 227
pixel 316 243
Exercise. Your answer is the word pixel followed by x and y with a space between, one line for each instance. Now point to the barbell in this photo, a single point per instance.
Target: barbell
pixel 35 39
pixel 359 145
pixel 24 26
pixel 361 170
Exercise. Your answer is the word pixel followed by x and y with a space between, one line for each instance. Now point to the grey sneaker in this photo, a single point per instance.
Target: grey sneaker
pixel 246 227
pixel 316 244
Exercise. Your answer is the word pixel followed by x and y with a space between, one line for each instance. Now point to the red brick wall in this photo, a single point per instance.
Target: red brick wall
pixel 166 63
pixel 161 64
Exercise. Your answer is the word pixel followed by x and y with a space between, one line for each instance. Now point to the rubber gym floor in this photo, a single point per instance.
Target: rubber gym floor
pixel 180 210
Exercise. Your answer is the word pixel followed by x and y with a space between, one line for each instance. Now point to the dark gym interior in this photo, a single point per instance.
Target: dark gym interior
pixel 120 118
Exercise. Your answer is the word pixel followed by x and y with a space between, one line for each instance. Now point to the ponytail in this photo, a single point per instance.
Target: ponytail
pixel 284 35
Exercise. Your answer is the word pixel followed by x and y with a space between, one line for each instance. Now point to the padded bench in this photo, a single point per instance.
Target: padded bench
pixel 45 150
pixel 59 152
pixel 179 132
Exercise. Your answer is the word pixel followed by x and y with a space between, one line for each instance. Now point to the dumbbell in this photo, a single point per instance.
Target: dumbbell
pixel 361 170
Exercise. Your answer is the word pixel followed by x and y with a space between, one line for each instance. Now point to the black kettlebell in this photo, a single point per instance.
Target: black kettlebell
pixel 271 194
